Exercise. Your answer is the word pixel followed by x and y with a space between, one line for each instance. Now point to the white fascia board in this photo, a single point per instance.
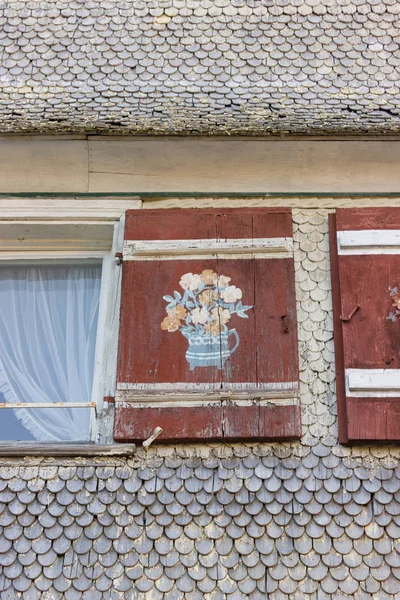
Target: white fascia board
pixel 67 209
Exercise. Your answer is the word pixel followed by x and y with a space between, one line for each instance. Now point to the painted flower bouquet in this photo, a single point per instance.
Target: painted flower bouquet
pixel 202 313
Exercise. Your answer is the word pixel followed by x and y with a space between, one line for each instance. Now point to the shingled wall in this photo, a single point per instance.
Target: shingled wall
pixel 303 521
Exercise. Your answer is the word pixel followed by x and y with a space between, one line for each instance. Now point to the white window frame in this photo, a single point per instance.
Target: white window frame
pixel 47 215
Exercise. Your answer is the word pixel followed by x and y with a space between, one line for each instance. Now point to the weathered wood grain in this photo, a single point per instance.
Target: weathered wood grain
pixel 206 248
pixel 226 421
pixel 66 209
pixel 368 218
pixel 208 223
pixel 36 164
pixel 373 419
pixel 55 237
pixel 184 424
pixel 371 340
pixel 235 165
pixel 267 351
pixel 370 241
pixel 261 422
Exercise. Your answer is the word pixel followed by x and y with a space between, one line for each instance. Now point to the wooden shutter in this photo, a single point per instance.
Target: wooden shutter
pixel 365 258
pixel 232 374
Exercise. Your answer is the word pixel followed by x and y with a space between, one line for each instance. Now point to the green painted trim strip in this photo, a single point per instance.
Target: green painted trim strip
pixel 201 194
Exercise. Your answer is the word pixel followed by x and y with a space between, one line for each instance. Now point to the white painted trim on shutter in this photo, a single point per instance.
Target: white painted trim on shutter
pixel 369 241
pixel 199 394
pixel 188 402
pixel 207 248
pixel 373 383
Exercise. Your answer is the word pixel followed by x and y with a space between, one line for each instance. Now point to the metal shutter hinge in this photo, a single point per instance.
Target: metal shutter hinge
pixel 355 309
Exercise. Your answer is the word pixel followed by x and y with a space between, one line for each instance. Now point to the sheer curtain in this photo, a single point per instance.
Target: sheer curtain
pixel 48 323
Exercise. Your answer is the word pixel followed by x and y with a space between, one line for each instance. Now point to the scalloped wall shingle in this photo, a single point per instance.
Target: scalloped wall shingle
pixel 252 523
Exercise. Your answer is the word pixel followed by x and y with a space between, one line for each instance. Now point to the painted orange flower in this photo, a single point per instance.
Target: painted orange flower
pixel 178 312
pixel 222 315
pixel 173 321
pixel 219 318
pixel 170 324
pixel 208 276
pixel 205 308
pixel 208 297
pixel 213 327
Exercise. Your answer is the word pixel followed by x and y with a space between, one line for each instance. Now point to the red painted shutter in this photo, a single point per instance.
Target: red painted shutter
pixel 208 337
pixel 365 258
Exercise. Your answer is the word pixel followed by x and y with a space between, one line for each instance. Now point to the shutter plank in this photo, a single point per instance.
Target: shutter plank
pixel 252 422
pixel 282 419
pixel 177 423
pixel 275 321
pixel 371 340
pixel 192 223
pixel 373 419
pixel 350 219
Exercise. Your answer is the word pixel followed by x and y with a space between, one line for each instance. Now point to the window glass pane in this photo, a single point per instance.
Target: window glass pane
pixel 48 324
pixel 11 428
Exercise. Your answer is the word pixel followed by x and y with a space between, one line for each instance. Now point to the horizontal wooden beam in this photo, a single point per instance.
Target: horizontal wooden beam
pixel 152 164
pixel 13 449
pixel 168 164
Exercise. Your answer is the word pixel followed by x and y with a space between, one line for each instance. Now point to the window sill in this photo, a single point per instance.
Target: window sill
pixel 10 449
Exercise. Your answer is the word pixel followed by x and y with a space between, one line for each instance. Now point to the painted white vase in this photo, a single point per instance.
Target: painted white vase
pixel 210 351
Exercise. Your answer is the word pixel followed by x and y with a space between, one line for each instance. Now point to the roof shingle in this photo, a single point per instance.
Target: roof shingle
pixel 200 66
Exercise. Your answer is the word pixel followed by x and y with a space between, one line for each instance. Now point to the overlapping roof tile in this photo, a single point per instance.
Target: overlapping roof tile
pixel 200 66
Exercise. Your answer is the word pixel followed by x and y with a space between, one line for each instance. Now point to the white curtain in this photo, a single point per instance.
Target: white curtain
pixel 48 323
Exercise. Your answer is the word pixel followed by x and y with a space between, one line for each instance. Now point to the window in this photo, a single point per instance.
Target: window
pixel 48 326
pixel 59 305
